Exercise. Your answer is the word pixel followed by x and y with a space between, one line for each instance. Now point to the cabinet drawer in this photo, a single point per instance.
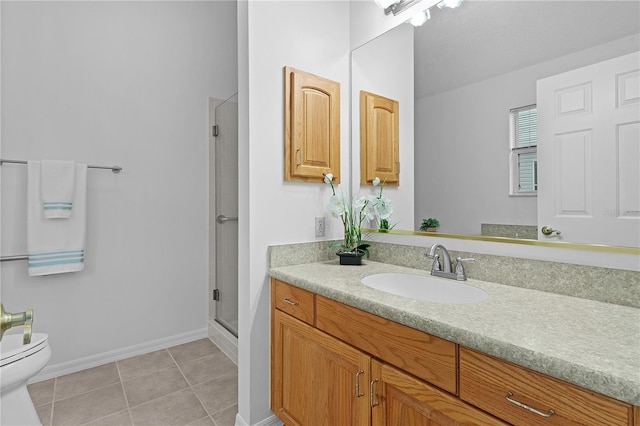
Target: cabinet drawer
pixel 295 301
pixel 427 357
pixel 486 382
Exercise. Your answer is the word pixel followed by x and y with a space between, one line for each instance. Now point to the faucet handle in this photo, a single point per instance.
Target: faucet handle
pixel 435 266
pixel 460 274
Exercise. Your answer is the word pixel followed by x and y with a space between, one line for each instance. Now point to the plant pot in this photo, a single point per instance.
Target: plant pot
pixel 350 258
pixel 431 229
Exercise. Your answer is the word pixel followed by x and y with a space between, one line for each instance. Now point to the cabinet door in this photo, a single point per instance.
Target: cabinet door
pixel 312 127
pixel 379 139
pixel 316 379
pixel 401 399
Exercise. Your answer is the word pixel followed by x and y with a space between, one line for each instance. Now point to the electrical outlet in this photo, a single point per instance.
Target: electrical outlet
pixel 319 226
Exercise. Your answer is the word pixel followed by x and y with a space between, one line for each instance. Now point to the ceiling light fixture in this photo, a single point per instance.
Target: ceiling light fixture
pixel 395 7
pixel 449 3
pixel 420 18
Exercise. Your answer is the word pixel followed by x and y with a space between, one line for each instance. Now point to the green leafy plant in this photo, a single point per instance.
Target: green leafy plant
pixel 429 223
pixel 352 213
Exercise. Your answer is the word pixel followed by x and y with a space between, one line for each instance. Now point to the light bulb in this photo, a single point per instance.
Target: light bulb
pixel 420 18
pixel 449 3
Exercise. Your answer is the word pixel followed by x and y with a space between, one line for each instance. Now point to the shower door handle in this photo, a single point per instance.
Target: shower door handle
pixel 222 218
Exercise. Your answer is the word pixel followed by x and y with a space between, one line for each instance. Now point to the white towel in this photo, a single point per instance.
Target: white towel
pixel 57 179
pixel 55 246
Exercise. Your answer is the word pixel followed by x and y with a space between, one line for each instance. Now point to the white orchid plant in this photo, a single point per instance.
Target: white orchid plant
pixel 352 215
pixel 382 207
pixel 354 212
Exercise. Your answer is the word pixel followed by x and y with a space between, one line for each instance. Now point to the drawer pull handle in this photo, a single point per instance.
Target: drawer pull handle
pixel 358 393
pixel 372 403
pixel 290 302
pixel 526 407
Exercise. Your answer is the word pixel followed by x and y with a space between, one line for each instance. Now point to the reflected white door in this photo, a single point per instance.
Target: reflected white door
pixel 589 153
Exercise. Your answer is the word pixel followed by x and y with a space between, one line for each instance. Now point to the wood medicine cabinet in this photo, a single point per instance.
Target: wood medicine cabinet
pixel 379 139
pixel 311 127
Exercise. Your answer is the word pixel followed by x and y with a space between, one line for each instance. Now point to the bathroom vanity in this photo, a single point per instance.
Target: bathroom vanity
pixel 350 354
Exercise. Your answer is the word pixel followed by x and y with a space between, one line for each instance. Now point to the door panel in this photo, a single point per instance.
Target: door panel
pixel 589 153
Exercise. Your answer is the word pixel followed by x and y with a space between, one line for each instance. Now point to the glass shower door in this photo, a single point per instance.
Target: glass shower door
pixel 226 213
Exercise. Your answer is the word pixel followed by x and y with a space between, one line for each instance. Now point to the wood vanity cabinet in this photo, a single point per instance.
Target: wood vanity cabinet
pixel 332 364
pixel 317 378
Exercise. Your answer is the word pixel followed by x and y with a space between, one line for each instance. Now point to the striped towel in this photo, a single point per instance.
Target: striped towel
pixel 55 246
pixel 57 184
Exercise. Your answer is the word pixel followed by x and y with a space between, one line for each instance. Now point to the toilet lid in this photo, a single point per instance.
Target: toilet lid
pixel 12 349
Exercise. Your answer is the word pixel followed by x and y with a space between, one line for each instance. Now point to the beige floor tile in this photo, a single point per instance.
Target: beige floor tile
pixel 218 394
pixel 176 409
pixel 226 417
pixel 89 406
pixel 44 413
pixel 143 364
pixel 86 380
pixel 154 385
pixel 207 368
pixel 193 350
pixel 123 418
pixel 203 422
pixel 42 392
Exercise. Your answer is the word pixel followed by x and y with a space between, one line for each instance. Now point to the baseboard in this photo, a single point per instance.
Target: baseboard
pixel 222 338
pixel 269 421
pixel 69 367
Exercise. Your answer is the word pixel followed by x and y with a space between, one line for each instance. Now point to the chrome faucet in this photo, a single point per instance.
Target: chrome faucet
pixel 445 269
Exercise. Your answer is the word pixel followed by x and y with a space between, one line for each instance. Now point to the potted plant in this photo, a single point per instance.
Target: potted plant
pixel 352 213
pixel 429 225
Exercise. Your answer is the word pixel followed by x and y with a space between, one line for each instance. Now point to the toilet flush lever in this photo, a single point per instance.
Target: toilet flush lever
pixel 8 320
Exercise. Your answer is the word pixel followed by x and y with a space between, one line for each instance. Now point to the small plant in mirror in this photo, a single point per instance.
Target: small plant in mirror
pixel 429 225
pixel 352 213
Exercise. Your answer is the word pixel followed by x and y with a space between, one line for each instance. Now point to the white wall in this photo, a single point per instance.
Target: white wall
pixel 466 160
pixel 384 66
pixel 116 83
pixel 312 36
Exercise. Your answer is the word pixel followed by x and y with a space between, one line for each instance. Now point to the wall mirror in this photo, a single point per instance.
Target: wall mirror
pixel 471 66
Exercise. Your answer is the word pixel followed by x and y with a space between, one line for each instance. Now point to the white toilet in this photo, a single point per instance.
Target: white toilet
pixel 19 364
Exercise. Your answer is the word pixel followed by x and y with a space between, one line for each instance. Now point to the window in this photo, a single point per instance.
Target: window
pixel 524 155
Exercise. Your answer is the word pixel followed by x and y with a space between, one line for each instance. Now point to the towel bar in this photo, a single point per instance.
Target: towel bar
pixel 11 258
pixel 114 169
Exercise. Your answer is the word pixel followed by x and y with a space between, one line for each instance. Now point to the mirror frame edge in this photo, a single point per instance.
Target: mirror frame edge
pixel 522 241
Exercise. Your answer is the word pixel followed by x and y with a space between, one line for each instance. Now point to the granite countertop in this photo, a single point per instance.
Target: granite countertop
pixel 592 344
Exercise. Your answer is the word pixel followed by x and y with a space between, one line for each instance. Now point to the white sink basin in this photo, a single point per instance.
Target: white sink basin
pixel 425 287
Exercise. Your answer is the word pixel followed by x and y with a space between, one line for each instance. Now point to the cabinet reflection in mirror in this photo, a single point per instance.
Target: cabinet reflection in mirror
pixel 471 67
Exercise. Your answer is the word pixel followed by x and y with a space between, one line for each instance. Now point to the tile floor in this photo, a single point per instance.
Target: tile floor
pixel 191 384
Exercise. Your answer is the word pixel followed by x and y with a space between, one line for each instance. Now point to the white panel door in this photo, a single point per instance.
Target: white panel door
pixel 589 153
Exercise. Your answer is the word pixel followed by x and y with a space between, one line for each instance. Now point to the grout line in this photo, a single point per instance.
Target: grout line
pixel 53 403
pixel 191 387
pixel 124 393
